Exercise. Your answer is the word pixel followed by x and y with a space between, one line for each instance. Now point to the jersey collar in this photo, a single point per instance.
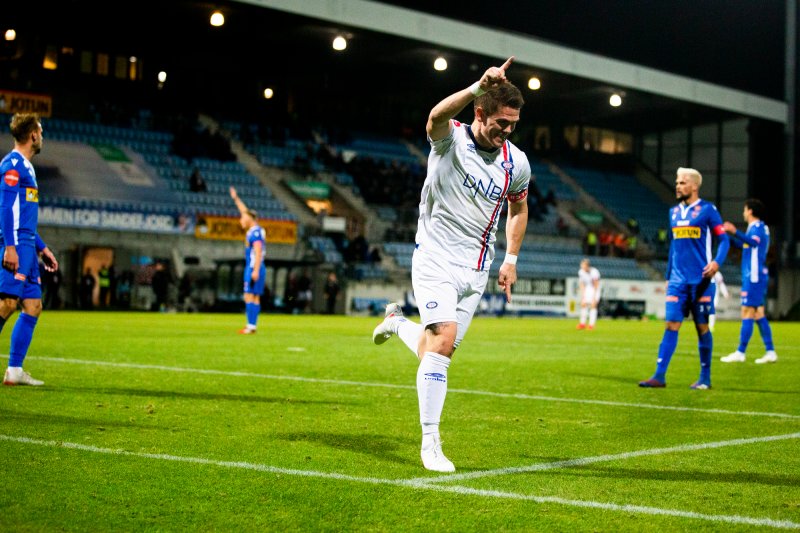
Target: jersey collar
pixel 478 146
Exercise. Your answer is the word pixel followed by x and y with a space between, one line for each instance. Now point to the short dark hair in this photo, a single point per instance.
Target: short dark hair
pixel 756 206
pixel 23 124
pixel 507 95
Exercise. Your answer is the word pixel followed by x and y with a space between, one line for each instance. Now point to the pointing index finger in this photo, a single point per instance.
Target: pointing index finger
pixel 507 63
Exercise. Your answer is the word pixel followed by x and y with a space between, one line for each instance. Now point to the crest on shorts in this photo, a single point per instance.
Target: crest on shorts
pixel 432 305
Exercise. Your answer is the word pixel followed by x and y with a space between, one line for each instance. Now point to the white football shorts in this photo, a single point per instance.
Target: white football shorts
pixel 446 292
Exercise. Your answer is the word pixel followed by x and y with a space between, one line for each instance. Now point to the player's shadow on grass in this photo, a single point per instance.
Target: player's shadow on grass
pixel 741 478
pixel 249 398
pixel 37 419
pixel 380 446
pixel 608 377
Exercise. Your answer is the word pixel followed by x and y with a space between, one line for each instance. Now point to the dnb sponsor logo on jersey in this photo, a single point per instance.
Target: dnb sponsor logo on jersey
pixel 490 190
pixel 686 232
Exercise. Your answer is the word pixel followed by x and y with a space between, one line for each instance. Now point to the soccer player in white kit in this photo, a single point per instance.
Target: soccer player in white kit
pixel 589 289
pixel 472 170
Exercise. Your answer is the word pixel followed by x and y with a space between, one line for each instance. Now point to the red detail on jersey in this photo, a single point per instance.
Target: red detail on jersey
pixel 20 276
pixel 756 238
pixel 719 230
pixel 672 298
pixel 11 177
pixel 514 198
pixel 456 123
pixel 485 234
pixel 705 299
pixel 744 293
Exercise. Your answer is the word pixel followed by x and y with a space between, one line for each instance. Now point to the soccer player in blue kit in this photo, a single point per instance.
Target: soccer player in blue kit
pixel 19 215
pixel 755 277
pixel 255 272
pixel 690 270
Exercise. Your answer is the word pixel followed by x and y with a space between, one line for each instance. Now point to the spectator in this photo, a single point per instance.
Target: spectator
pixel 160 284
pixel 590 243
pixel 87 289
pixel 633 226
pixel 196 181
pixel 290 293
pixel 633 243
pixel 620 245
pixel 331 293
pixel 304 292
pixel 104 282
pixel 606 240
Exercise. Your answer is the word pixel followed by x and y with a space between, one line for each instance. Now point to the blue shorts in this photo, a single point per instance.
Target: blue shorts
pixel 26 283
pixel 695 297
pixel 753 294
pixel 256 288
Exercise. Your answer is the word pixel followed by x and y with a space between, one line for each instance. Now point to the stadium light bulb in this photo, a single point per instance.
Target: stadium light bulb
pixel 162 76
pixel 217 19
pixel 11 34
pixel 534 84
pixel 339 43
pixel 268 93
pixel 615 100
pixel 440 64
pixel 132 59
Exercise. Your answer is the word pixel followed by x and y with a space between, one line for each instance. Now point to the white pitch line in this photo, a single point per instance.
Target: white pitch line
pixel 516 396
pixel 539 467
pixel 455 489
pixel 413 387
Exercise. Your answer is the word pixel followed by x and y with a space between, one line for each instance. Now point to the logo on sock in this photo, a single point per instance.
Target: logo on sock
pixel 435 376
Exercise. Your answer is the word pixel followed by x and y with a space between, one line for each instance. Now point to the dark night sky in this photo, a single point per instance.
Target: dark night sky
pixel 735 43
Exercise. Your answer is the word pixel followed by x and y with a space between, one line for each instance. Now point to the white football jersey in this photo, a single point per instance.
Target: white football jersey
pixel 463 196
pixel 588 278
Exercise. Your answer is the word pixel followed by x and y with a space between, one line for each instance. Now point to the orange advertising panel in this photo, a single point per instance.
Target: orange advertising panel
pixel 229 229
pixel 13 102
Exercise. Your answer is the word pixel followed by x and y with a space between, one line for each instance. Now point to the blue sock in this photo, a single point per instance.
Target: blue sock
pixel 745 334
pixel 766 333
pixel 252 311
pixel 705 345
pixel 665 351
pixel 21 337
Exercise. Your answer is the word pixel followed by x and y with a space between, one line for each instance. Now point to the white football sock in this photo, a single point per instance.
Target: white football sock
pixel 593 316
pixel 584 312
pixel 409 332
pixel 711 320
pixel 431 390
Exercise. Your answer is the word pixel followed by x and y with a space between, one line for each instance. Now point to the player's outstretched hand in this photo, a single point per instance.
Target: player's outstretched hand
pixel 494 77
pixel 710 269
pixel 232 191
pixel 506 278
pixel 49 260
pixel 728 227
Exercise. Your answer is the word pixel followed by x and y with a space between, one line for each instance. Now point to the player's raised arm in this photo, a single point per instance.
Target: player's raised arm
pixel 239 203
pixel 438 126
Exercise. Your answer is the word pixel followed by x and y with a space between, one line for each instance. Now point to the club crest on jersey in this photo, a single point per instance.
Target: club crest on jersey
pixel 32 195
pixel 508 166
pixel 432 305
pixel 11 178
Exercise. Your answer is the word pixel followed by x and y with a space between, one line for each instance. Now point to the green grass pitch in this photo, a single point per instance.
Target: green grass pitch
pixel 173 422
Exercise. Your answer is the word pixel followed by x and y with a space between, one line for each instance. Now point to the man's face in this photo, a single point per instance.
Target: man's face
pixel 245 221
pixel 499 125
pixel 37 140
pixel 585 266
pixel 684 187
pixel 747 213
